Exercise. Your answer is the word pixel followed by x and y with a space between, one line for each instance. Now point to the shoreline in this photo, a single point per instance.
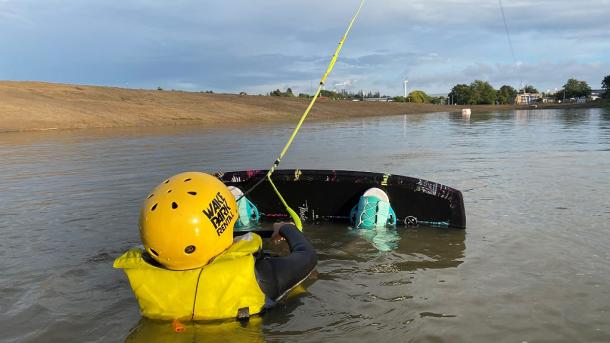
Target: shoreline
pixel 40 106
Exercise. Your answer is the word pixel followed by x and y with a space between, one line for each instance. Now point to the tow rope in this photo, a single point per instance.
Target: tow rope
pixel 331 65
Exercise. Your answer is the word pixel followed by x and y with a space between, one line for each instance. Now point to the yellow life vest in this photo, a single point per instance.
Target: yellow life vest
pixel 223 288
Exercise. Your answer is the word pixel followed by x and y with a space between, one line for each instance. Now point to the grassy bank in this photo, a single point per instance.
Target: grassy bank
pixel 42 106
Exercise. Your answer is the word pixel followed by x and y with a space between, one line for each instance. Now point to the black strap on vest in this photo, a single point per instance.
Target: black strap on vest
pixel 195 298
pixel 243 314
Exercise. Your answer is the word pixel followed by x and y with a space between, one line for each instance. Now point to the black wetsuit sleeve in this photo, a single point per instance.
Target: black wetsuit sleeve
pixel 276 275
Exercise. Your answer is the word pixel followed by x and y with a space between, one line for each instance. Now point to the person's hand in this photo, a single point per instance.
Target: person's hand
pixel 276 236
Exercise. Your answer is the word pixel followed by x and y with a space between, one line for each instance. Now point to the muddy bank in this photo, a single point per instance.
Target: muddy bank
pixel 28 106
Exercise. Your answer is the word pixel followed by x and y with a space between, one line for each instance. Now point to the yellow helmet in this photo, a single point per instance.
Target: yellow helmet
pixel 187 220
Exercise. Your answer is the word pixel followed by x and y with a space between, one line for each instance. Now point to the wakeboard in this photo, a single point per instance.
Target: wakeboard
pixel 329 195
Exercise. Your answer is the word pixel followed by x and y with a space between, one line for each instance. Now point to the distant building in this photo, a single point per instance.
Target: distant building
pixel 527 98
pixel 382 99
pixel 596 94
pixel 548 98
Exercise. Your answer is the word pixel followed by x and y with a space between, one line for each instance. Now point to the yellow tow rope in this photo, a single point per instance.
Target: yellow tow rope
pixel 291 212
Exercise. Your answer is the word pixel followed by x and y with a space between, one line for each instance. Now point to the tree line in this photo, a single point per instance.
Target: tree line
pixel 482 93
pixel 477 92
pixel 420 97
pixel 606 86
pixel 342 95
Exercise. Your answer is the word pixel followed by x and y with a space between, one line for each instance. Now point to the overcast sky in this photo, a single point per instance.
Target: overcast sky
pixel 259 45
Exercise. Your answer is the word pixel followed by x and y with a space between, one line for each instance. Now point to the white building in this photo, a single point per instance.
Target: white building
pixel 527 98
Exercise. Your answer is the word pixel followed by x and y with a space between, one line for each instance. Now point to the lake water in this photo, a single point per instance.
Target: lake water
pixel 533 264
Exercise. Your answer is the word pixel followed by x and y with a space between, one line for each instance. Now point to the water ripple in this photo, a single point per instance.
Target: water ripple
pixel 531 266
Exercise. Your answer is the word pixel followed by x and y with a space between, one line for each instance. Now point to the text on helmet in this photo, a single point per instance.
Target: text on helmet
pixel 219 213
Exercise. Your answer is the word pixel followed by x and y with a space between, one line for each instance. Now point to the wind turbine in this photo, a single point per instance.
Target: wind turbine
pixel 405 82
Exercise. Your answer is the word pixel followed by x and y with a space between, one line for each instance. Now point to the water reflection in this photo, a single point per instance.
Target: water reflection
pixel 432 248
pixel 604 129
pixel 574 118
pixel 411 248
pixel 148 330
pixel 473 118
pixel 382 238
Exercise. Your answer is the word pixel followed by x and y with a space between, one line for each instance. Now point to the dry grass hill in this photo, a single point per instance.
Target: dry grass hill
pixel 43 106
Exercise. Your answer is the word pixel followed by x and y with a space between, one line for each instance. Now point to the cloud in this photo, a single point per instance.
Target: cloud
pixel 244 45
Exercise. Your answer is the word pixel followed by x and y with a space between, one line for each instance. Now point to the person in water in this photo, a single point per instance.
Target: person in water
pixel 191 267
